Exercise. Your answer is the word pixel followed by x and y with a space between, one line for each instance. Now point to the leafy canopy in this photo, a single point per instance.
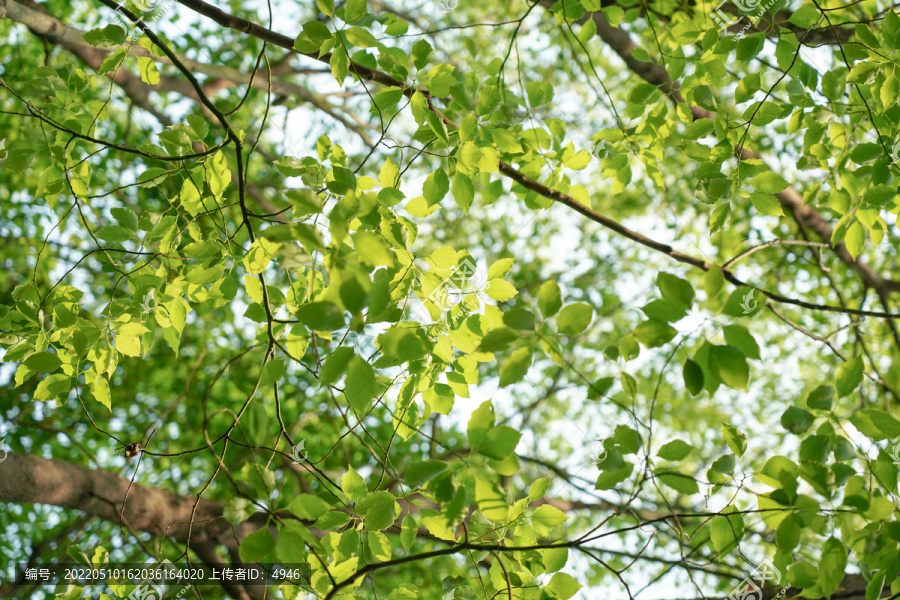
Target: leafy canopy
pixel 520 300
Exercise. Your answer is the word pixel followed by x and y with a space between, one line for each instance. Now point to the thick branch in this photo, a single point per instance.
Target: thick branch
pixel 807 216
pixel 28 479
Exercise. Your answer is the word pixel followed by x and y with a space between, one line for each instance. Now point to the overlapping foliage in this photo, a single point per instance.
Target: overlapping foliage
pixel 464 301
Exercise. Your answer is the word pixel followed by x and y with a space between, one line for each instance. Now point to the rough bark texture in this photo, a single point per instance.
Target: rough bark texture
pixel 27 479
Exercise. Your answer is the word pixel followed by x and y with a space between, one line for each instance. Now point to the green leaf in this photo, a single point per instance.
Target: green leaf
pixel 440 398
pixel 628 439
pixel 855 238
pixel 879 195
pixel 675 289
pixel 361 38
pixel 549 298
pixel 480 422
pixel 662 310
pixel 335 365
pixel 111 35
pixel 891 30
pixel 491 502
pixel 437 125
pixel 421 472
pixel 506 141
pixel 653 333
pixel 848 377
pixel 779 472
pixel 401 343
pixel 768 182
pixel 113 233
pixel 675 450
pixel 574 318
pixel 886 422
pixel 738 337
pixel 463 191
pixel 260 254
pixel 796 420
pixel 515 368
pixel 52 386
pixel 766 204
pixel 875 585
pixel 693 377
pixel 538 488
pixel 408 531
pixel 519 318
pixel 360 384
pixel 112 62
pixel 379 546
pixel 820 398
pixel 788 534
pixel 100 390
pixel 805 17
pixel 421 50
pixel 290 547
pixel 713 282
pixel 726 532
pixel 436 187
pixel 735 439
pixel 307 506
pixel 678 481
pixel 498 340
pixel 379 508
pixel 863 153
pixel 500 268
pixel 354 11
pixel 500 290
pixel 730 366
pixel 353 485
pixel 321 316
pixel 126 217
pixel 147 69
pixel 418 104
pixel 43 362
pixel 340 68
pixel 499 442
pixel 832 86
pixel 326 6
pixel 100 557
pixel 744 302
pixel 332 520
pixel 257 545
pixel 562 586
pixel 832 565
pixel 718 218
pixel 642 92
pixel 545 518
pixel 343 182
pixel 610 479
